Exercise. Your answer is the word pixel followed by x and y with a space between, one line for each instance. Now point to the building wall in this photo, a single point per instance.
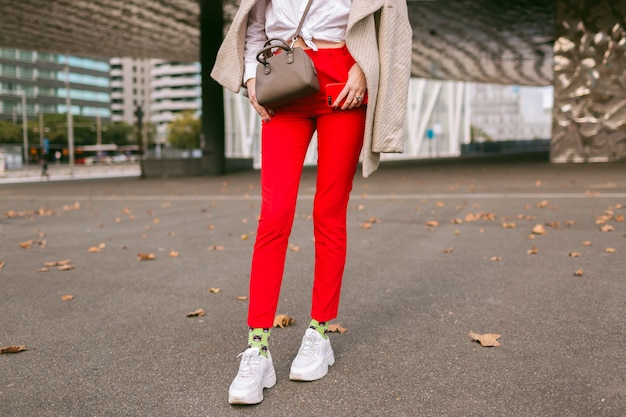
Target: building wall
pixel 175 87
pixel 44 79
pixel 511 112
pixel 130 87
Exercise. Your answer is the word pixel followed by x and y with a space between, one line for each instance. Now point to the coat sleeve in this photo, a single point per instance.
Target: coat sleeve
pixel 395 40
pixel 229 63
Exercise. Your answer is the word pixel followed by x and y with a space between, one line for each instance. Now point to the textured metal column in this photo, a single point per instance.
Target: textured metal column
pixel 211 35
pixel 589 115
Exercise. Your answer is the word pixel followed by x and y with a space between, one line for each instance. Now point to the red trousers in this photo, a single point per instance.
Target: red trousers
pixel 285 140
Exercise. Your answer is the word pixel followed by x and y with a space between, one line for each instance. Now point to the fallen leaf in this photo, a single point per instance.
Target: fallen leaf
pixel 27 244
pixel 610 250
pixel 156 221
pixel 44 269
pixel 365 226
pixel 1 264
pixel 146 256
pixel 216 247
pixel 495 259
pixel 587 243
pixel 283 320
pixel 570 223
pixel 66 267
pixel 211 227
pixel 574 255
pixel 509 225
pixel 618 206
pixel 457 221
pixel 336 328
pixel 242 297
pixel 619 218
pixel 447 250
pixel 12 349
pixel 360 207
pixel 538 183
pixel 174 254
pixel 487 340
pixel 539 230
pixel 554 225
pixel 579 273
pixel 245 237
pixel 533 250
pixel 294 248
pixel 607 228
pixel 67 297
pixel 432 223
pixel 213 290
pixel 542 204
pixel 197 313
pixel 440 204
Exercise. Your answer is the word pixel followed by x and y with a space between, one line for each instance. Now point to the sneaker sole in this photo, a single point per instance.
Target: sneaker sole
pixel 268 382
pixel 316 374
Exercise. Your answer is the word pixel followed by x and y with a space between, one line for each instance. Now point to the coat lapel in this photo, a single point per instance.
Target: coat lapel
pixel 363 8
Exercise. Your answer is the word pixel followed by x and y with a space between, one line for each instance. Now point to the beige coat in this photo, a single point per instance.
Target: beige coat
pixel 379 37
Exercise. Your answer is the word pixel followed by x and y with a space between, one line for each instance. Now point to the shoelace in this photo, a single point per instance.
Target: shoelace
pixel 308 345
pixel 249 364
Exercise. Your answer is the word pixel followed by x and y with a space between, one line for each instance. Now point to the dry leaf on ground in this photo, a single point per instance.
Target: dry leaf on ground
pixel 533 250
pixel 336 328
pixel 27 244
pixel 610 250
pixel 146 256
pixel 213 290
pixel 366 225
pixel 495 259
pixel 587 243
pixel 1 264
pixel 216 247
pixel 539 229
pixel 174 254
pixel 487 340
pixel 509 225
pixel 12 349
pixel 67 267
pixel 448 250
pixel 67 297
pixel 283 320
pixel 574 255
pixel 607 228
pixel 294 248
pixel 579 273
pixel 432 223
pixel 242 297
pixel 245 237
pixel 197 313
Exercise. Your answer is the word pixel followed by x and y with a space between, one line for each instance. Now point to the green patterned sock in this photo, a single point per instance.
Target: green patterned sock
pixel 258 337
pixel 321 327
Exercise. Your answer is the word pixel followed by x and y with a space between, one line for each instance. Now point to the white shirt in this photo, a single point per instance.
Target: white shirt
pixel 327 20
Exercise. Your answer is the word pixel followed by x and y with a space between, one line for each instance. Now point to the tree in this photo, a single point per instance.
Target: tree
pixel 119 133
pixel 184 131
pixel 10 132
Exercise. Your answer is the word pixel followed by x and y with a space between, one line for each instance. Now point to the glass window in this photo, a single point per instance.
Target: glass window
pixel 7 53
pixel 8 70
pixel 46 74
pixel 87 63
pixel 25 73
pixel 85 95
pixel 25 55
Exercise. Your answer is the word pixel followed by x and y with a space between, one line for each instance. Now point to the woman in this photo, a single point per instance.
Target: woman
pixel 365 44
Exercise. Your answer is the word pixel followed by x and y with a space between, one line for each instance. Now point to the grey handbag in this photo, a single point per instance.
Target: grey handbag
pixel 287 75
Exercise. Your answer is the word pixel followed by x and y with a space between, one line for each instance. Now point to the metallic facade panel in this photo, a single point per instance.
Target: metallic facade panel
pixel 590 82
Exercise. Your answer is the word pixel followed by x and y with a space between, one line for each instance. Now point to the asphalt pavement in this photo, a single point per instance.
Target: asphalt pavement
pixel 436 249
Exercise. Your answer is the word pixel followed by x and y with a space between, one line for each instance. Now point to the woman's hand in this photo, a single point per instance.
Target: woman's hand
pixel 354 91
pixel 266 114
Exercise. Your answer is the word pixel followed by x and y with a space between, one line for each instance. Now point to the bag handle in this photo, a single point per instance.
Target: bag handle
pixel 266 52
pixel 297 34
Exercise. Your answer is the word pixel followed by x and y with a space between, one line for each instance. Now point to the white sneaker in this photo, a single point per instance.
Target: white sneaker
pixel 313 359
pixel 255 373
